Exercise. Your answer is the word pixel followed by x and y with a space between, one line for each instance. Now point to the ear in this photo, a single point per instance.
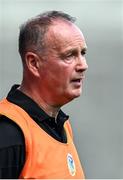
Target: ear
pixel 33 63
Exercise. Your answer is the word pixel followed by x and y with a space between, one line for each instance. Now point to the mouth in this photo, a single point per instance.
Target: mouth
pixel 77 81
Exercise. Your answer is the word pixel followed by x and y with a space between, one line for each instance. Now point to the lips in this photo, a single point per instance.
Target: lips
pixel 78 79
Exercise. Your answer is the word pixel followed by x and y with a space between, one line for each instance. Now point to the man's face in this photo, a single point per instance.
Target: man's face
pixel 63 70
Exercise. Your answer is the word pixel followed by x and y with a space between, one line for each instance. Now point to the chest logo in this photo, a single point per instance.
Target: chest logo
pixel 71 164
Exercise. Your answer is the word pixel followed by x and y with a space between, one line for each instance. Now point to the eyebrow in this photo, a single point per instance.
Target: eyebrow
pixel 74 50
pixel 84 49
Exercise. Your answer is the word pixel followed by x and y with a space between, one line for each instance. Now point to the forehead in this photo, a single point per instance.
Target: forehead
pixel 64 35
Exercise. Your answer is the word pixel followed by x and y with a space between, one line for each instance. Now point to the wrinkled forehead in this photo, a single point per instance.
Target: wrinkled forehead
pixel 62 35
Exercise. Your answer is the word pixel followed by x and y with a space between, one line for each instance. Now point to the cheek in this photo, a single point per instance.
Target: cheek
pixel 64 76
pixel 58 74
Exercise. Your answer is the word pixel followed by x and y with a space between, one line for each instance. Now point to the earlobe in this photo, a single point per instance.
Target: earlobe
pixel 32 62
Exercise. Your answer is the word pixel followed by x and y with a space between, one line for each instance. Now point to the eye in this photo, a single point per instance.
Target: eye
pixel 83 52
pixel 69 55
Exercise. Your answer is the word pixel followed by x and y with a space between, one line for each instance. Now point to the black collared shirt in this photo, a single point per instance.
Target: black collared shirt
pixel 12 146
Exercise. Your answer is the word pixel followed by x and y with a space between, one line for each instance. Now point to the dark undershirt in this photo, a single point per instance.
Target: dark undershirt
pixel 12 146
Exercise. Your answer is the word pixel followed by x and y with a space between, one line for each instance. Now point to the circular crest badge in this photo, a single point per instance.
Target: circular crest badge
pixel 71 164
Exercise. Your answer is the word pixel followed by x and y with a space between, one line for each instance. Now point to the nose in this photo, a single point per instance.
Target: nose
pixel 81 64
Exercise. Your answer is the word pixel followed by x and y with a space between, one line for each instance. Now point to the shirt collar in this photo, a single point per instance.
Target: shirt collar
pixel 31 107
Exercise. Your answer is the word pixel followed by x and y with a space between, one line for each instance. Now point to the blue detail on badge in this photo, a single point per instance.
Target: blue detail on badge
pixel 71 164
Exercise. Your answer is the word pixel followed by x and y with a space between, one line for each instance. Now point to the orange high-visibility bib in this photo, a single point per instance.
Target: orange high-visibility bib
pixel 46 158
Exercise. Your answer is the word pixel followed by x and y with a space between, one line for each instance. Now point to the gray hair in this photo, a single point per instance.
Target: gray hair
pixel 33 32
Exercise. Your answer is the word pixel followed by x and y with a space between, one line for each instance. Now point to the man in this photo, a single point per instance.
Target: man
pixel 35 134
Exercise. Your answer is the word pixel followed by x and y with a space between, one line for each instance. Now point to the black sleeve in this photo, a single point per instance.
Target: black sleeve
pixel 12 149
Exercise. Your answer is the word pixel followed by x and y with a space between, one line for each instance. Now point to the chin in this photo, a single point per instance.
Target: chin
pixel 75 94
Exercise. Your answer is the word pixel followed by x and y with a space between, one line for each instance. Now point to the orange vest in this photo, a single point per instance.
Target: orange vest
pixel 46 158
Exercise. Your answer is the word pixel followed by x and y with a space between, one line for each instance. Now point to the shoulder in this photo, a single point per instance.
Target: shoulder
pixel 10 133
pixel 68 126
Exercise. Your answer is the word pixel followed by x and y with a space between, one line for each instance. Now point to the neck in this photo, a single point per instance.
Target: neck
pixel 51 110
